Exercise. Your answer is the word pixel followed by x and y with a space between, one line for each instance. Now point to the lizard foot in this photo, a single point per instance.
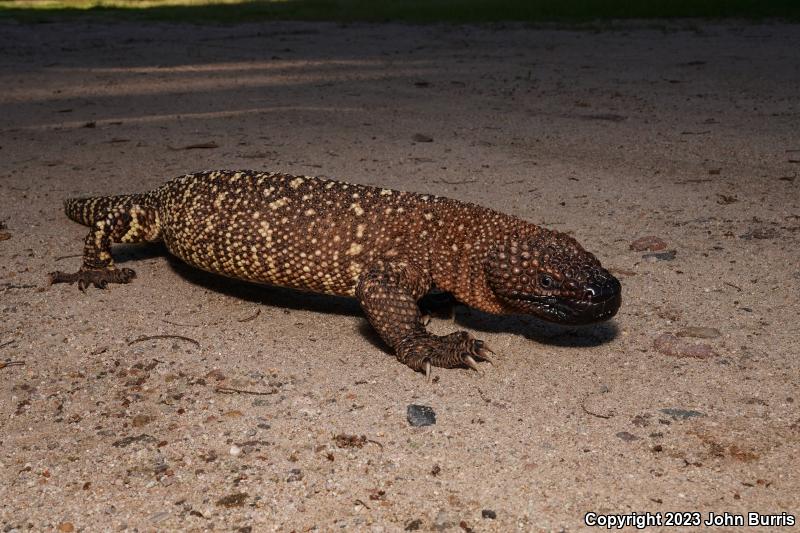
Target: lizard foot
pixel 100 278
pixel 457 349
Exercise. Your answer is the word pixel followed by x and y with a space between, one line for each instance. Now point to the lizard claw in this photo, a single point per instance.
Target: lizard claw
pixel 482 350
pixel 422 353
pixel 470 362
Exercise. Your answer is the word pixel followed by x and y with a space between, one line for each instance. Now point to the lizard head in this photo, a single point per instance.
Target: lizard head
pixel 549 275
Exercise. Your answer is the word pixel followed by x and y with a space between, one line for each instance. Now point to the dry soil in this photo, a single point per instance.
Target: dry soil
pixel 687 401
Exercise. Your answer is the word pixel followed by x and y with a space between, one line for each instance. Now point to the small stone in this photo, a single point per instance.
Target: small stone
pixel 627 437
pixel 651 243
pixel 488 513
pixel 699 332
pixel 681 413
pixel 661 256
pixel 235 451
pixel 4 235
pixel 159 517
pixel 420 138
pixel 66 527
pixel 233 500
pixel 420 415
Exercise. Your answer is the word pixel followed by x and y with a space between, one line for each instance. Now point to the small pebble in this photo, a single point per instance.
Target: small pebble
pixel 627 437
pixel 488 513
pixel 661 256
pixel 235 451
pixel 420 415
pixel 651 243
pixel 66 527
pixel 420 138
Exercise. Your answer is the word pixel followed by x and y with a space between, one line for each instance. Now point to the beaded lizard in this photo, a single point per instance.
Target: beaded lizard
pixel 386 248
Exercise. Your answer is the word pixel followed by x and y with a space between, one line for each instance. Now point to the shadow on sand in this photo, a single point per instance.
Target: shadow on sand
pixel 437 305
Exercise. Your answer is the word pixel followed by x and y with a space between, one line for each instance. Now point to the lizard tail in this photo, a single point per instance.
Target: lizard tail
pixel 87 211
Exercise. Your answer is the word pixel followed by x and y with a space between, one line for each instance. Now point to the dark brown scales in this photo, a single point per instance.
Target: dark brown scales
pixel 385 247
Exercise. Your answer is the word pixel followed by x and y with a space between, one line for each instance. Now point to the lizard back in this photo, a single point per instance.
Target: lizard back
pixel 295 231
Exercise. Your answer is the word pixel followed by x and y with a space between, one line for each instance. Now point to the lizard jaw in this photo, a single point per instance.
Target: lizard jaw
pixel 567 310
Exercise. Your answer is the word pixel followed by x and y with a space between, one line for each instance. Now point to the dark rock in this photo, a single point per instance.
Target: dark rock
pixel 420 415
pixel 488 513
pixel 420 138
pixel 661 256
pixel 627 437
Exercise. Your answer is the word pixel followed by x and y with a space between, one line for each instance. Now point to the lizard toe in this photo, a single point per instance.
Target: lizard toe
pixel 458 349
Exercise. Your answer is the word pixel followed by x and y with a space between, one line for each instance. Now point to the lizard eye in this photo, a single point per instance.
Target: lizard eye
pixel 546 282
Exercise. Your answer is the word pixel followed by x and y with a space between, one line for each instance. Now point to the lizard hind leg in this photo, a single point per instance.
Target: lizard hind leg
pixel 388 293
pixel 124 224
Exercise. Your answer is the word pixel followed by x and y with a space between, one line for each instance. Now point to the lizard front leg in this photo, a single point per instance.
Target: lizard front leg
pixel 124 224
pixel 388 293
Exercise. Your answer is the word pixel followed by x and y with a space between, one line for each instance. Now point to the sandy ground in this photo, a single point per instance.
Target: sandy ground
pixel 689 134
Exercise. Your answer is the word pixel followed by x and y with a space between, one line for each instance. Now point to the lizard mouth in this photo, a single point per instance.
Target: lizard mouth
pixel 567 310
